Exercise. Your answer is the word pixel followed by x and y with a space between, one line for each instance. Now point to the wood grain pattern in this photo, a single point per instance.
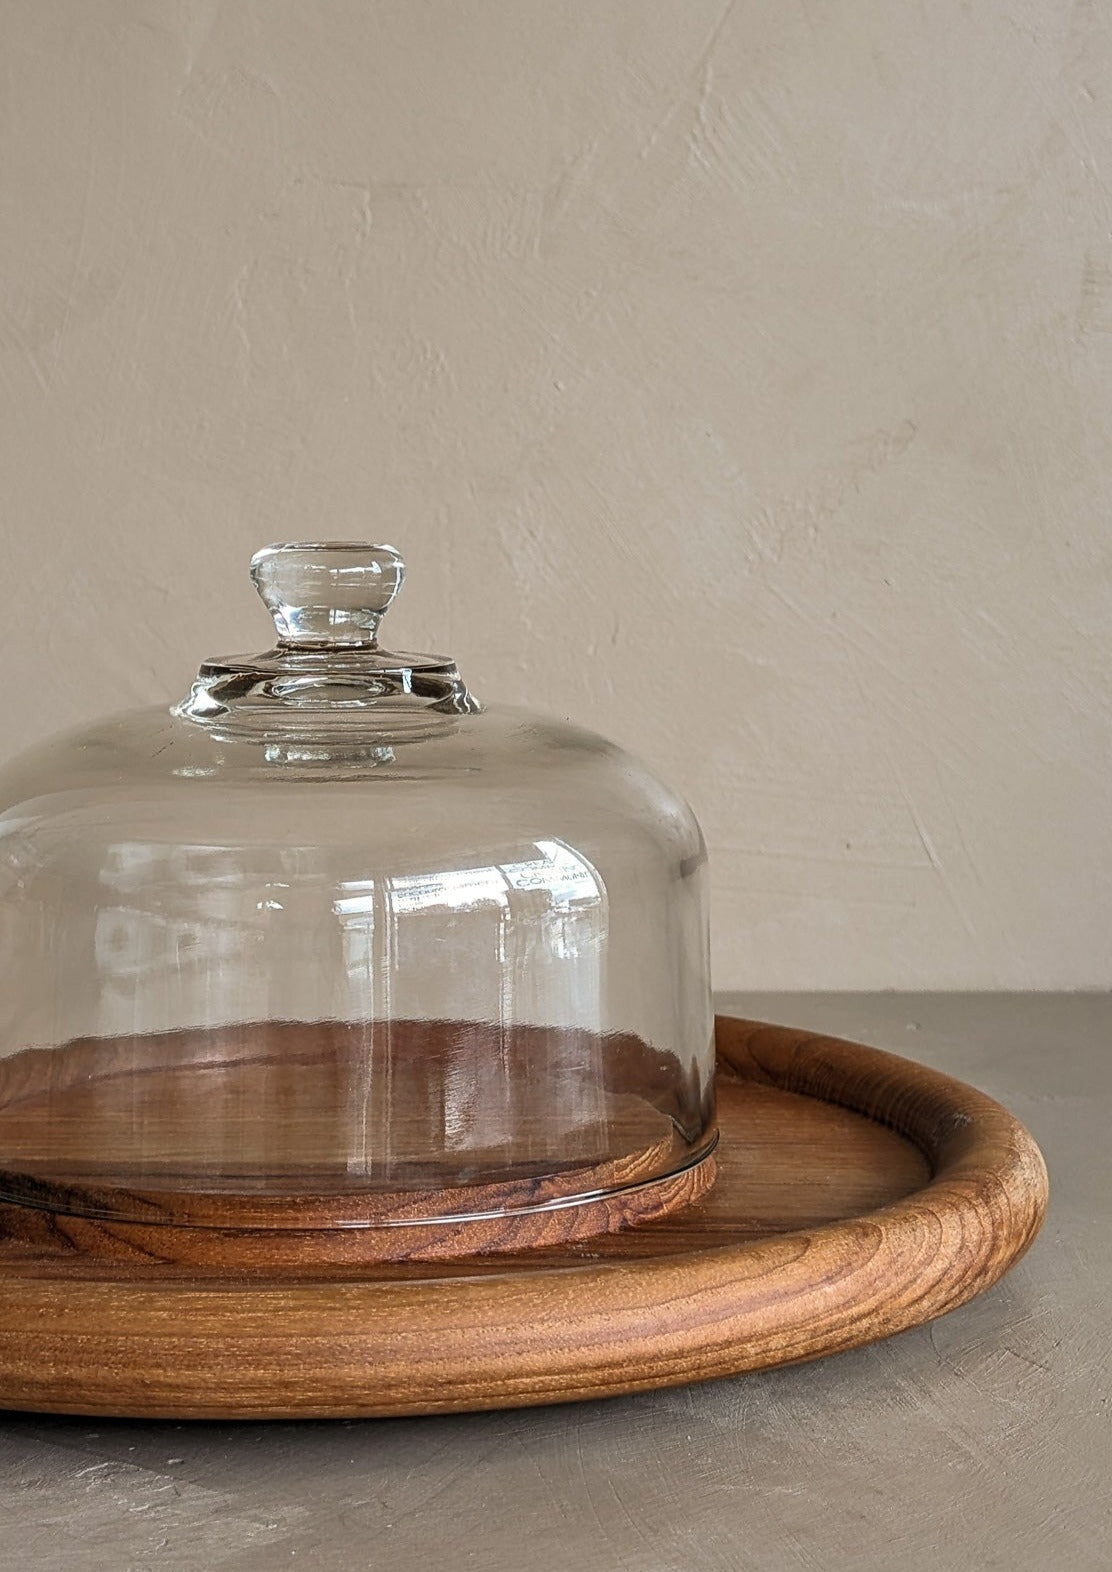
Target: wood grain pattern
pixel 520 1221
pixel 270 1144
pixel 858 1194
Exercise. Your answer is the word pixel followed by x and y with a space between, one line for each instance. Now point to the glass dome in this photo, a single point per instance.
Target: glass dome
pixel 330 943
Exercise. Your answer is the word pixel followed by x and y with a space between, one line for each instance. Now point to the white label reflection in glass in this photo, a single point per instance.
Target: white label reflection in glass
pixel 517 941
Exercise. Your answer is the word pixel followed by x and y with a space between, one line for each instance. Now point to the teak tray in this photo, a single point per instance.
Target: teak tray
pixel 857 1194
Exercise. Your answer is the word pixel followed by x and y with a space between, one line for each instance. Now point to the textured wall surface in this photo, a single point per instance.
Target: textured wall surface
pixel 736 378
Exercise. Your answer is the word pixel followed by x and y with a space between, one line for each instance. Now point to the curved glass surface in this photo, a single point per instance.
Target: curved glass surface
pixel 328 932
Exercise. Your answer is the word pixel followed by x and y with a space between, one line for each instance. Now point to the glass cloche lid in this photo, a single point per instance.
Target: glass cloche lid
pixel 330 944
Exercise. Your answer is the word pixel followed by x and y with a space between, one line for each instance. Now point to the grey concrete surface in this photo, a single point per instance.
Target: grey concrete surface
pixel 984 1441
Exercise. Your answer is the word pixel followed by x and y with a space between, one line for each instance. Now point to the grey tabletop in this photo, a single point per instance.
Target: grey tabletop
pixel 982 1441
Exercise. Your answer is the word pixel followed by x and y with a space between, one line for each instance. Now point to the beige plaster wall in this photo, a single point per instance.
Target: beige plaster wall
pixel 735 377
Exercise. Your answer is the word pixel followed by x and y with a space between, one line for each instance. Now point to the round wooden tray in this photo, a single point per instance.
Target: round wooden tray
pixel 858 1194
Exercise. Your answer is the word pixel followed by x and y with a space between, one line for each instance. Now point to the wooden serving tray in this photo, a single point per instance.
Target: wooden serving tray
pixel 858 1194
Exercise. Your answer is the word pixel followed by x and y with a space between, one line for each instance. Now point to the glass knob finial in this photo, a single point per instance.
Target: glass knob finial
pixel 328 594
